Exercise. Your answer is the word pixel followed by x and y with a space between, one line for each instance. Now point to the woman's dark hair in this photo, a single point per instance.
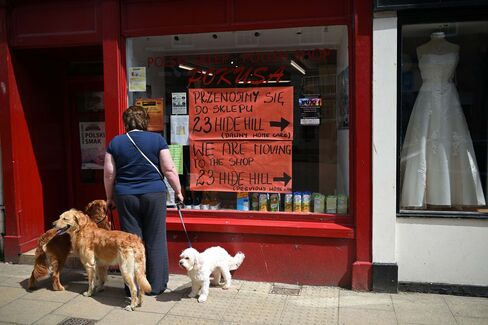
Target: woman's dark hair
pixel 135 117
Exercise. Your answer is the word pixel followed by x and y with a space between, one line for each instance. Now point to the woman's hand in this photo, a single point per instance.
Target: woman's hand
pixel 179 197
pixel 111 204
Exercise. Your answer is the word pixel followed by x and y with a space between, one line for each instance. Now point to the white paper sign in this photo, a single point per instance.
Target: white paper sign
pixel 137 79
pixel 92 144
pixel 178 103
pixel 179 129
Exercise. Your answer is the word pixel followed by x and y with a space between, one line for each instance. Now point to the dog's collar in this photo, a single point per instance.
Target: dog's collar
pixel 101 220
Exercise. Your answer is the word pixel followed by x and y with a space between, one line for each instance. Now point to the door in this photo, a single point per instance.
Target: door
pixel 86 132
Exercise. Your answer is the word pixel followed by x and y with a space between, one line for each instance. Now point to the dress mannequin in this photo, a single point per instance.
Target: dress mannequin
pixel 438 162
pixel 437 45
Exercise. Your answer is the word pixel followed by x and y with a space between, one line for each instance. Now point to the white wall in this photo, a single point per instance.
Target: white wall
pixel 446 250
pixel 438 250
pixel 384 137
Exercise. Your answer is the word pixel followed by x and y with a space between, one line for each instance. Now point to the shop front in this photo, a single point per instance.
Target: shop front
pixel 430 162
pixel 266 108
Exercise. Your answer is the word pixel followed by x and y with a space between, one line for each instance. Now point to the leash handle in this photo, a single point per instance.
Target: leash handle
pixel 178 206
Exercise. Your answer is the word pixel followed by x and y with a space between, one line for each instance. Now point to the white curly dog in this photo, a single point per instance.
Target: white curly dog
pixel 214 261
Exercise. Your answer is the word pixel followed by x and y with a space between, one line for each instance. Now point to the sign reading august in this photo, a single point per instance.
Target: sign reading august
pixel 241 139
pixel 241 113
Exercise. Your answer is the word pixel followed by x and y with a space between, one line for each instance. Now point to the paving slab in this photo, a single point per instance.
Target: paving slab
pixel 213 308
pixel 25 311
pixel 118 316
pixel 365 300
pixel 157 304
pixel 8 294
pixel 260 287
pixel 471 321
pixel 90 307
pixel 318 291
pixel 353 316
pixel 255 308
pixel 51 319
pixel 184 320
pixel 51 295
pixel 422 309
pixel 468 306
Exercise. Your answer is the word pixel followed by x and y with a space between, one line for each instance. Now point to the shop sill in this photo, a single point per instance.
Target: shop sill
pixel 257 223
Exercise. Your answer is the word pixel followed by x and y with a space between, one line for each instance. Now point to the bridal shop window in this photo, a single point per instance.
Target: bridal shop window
pixel 443 117
pixel 256 120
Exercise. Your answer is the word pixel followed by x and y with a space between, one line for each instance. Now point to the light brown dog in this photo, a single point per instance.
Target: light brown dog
pixel 52 251
pixel 100 248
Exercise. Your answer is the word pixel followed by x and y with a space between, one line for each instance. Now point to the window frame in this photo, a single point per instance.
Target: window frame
pixel 413 17
pixel 343 219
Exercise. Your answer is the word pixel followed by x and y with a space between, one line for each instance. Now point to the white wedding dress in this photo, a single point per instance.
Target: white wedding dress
pixel 438 163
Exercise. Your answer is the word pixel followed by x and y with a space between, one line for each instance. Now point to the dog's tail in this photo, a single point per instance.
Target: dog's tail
pixel 140 269
pixel 40 268
pixel 236 261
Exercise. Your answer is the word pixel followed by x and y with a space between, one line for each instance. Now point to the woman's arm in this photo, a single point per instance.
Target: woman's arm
pixel 109 178
pixel 169 171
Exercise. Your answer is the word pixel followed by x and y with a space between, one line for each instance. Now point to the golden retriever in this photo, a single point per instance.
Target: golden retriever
pixel 52 251
pixel 100 248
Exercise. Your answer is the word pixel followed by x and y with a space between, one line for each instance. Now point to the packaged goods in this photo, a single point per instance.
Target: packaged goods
pixel 306 201
pixel 255 201
pixel 297 202
pixel 288 202
pixel 331 204
pixel 318 202
pixel 242 201
pixel 263 202
pixel 274 202
pixel 342 204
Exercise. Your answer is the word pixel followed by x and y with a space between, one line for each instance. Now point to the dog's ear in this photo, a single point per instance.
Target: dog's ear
pixel 198 260
pixel 80 218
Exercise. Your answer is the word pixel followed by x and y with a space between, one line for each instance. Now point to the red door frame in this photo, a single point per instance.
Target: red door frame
pixel 114 22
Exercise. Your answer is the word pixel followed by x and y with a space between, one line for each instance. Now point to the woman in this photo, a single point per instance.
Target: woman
pixel 136 188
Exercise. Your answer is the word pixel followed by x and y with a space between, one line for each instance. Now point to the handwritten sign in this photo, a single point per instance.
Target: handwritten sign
pixel 155 110
pixel 241 113
pixel 241 166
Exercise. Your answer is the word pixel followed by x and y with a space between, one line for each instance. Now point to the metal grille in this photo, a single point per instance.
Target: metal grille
pixel 285 290
pixel 77 321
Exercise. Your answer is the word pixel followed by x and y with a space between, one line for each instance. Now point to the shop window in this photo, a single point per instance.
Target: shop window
pixel 443 117
pixel 256 120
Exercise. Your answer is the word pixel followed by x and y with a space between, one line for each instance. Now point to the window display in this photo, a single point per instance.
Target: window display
pixel 443 150
pixel 257 114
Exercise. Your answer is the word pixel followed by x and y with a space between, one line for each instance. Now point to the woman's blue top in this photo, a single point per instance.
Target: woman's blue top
pixel 134 174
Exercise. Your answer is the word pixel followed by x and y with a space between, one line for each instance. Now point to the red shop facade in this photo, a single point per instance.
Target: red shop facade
pixel 70 66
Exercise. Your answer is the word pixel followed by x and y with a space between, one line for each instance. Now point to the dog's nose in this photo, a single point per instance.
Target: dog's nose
pixel 54 224
pixel 181 262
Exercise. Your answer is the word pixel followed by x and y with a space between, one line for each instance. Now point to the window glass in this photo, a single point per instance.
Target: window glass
pixel 257 120
pixel 443 116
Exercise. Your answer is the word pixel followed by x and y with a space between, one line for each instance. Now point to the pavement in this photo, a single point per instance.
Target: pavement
pixel 245 302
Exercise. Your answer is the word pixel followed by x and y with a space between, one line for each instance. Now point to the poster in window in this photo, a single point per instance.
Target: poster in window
pixel 137 79
pixel 241 139
pixel 155 109
pixel 92 144
pixel 178 101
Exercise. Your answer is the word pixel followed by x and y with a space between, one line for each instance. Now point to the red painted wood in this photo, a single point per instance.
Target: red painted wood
pixel 56 23
pixel 362 138
pixel 226 15
pixel 264 11
pixel 7 84
pixel 115 89
pixel 297 260
pixel 253 226
pixel 158 15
